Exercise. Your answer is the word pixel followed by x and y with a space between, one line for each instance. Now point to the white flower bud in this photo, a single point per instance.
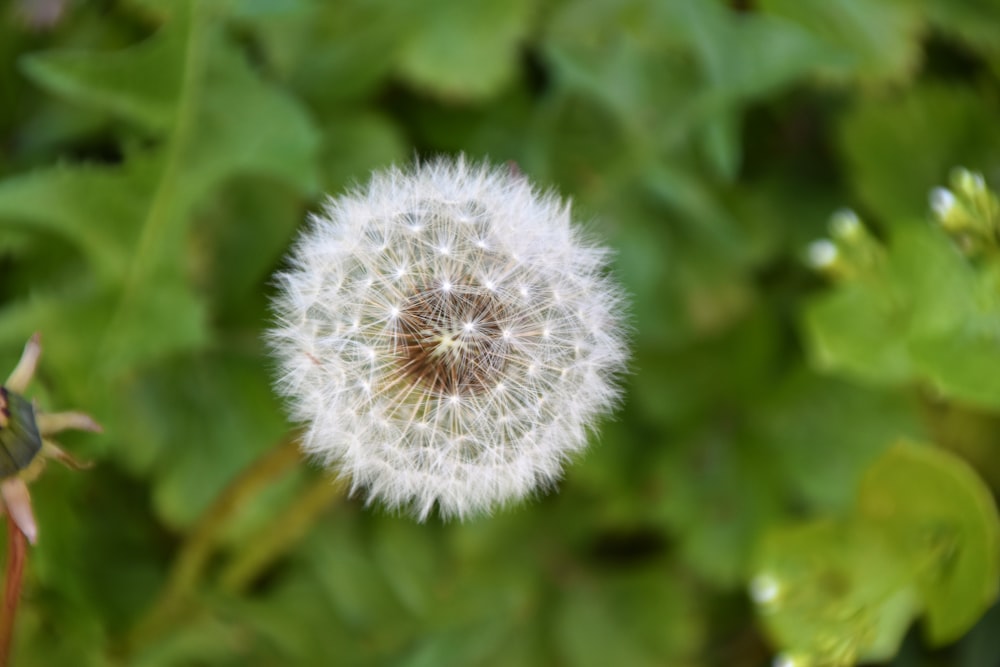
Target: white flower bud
pixel 942 202
pixel 448 337
pixel 764 589
pixel 968 182
pixel 845 224
pixel 822 253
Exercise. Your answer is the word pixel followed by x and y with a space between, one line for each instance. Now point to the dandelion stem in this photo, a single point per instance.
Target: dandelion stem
pixel 16 555
pixel 196 551
pixel 280 535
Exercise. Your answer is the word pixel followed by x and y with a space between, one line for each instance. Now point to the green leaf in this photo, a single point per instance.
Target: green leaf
pixel 119 82
pixel 856 330
pixel 953 339
pixel 742 58
pixel 80 640
pixel 934 282
pixel 963 365
pixel 356 145
pixel 276 630
pixel 409 560
pixel 482 644
pixel 465 50
pixel 971 21
pixel 133 221
pixel 118 564
pixel 585 148
pixel 94 207
pixel 832 592
pixel 821 455
pixel 209 640
pixel 343 569
pixel 953 125
pixel 190 401
pixel 881 38
pixel 311 43
pixel 942 517
pixel 238 123
pixel 238 237
pixel 74 318
pixel 588 633
pixel 720 494
pixel 703 62
pixel 924 537
pixel 628 58
pixel 930 315
pixel 638 616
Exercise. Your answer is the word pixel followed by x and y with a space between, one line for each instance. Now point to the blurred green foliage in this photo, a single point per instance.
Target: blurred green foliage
pixel 156 158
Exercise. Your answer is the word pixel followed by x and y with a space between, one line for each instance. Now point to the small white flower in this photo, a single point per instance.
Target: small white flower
pixel 448 336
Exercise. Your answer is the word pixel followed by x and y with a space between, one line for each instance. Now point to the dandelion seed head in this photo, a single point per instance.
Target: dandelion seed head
pixel 448 337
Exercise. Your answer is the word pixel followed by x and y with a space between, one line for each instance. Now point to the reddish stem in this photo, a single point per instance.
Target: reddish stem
pixel 16 554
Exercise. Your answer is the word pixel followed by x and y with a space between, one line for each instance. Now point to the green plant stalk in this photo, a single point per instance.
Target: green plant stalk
pixel 160 208
pixel 192 559
pixel 280 535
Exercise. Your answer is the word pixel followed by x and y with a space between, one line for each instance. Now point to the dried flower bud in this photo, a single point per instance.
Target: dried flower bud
pixel 25 443
pixel 448 336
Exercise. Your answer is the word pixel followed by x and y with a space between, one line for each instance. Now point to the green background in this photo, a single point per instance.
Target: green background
pixel 156 159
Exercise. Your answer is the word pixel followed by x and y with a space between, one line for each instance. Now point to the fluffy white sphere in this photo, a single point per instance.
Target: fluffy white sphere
pixel 448 336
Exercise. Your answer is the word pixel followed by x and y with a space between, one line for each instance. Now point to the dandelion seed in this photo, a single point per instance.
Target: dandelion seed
pixel 472 402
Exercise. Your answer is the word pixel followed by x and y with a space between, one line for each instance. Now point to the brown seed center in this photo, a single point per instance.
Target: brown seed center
pixel 452 338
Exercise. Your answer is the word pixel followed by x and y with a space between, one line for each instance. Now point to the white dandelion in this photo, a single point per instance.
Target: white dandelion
pixel 448 336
